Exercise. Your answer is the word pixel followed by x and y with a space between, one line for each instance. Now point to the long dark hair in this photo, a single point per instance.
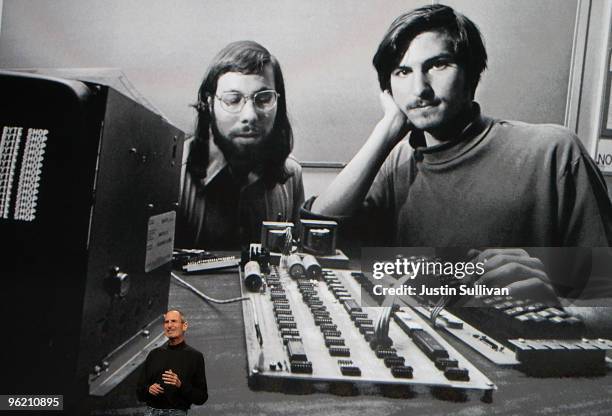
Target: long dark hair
pixel 246 57
pixel 464 35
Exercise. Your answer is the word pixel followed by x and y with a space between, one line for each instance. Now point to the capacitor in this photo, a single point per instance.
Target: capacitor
pixel 252 276
pixel 312 266
pixel 295 266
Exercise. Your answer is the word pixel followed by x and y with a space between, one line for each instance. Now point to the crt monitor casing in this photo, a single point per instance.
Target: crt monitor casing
pixel 108 168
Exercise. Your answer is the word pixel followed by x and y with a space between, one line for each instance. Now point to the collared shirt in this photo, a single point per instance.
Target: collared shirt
pixel 225 212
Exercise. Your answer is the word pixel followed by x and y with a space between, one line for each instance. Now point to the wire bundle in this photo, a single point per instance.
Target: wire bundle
pixel 381 328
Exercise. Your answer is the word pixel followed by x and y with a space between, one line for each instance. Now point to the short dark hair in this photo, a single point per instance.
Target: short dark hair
pixel 246 57
pixel 466 39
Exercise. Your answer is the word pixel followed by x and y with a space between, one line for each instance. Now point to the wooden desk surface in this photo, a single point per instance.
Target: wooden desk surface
pixel 217 331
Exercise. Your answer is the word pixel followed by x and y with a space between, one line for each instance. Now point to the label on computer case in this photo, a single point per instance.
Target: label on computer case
pixel 160 240
pixel 22 152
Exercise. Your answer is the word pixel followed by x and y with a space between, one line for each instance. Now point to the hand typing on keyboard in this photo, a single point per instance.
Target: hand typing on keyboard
pixel 515 269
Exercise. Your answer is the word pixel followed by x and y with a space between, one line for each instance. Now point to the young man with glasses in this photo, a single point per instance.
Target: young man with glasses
pixel 244 175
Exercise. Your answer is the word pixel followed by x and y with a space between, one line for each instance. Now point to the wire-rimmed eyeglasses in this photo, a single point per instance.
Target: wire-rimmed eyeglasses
pixel 234 102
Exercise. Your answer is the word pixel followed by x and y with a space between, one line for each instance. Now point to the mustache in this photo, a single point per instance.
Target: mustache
pixel 422 103
pixel 245 130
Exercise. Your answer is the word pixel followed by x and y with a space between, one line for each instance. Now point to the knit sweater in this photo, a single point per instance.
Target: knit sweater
pixel 499 184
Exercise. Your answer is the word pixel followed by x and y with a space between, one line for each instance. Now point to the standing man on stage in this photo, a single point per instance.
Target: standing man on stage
pixel 173 377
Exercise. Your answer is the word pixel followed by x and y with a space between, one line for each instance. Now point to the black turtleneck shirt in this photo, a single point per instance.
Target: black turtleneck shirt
pixel 187 363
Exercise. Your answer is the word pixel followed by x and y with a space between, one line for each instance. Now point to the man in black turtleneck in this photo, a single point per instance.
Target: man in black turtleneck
pixel 173 376
pixel 461 179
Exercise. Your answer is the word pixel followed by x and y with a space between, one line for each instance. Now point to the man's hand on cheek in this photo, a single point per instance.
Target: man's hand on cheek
pixel 394 119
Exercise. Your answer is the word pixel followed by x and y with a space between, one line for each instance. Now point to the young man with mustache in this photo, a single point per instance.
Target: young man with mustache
pixel 239 171
pixel 462 179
